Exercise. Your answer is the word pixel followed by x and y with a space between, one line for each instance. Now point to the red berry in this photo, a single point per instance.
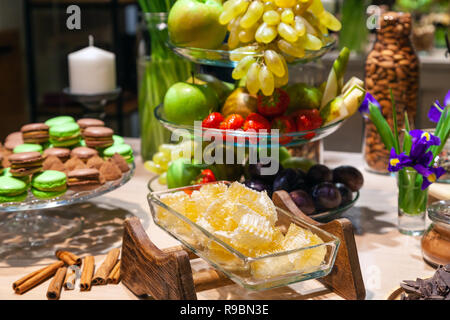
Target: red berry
pixel 274 105
pixel 285 125
pixel 232 122
pixel 255 121
pixel 213 120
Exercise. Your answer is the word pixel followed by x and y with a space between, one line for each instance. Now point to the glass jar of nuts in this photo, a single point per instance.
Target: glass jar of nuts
pixel 391 65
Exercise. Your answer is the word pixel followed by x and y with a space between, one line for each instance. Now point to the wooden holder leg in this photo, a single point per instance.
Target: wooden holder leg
pixel 345 279
pixel 146 270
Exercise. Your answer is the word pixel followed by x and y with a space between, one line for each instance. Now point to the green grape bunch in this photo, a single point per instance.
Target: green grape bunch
pixel 263 35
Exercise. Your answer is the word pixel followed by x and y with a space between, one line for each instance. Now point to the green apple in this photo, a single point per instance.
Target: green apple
pixel 303 96
pixel 222 89
pixel 185 103
pixel 195 23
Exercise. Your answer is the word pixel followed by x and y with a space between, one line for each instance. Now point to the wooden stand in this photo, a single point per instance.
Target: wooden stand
pixel 167 274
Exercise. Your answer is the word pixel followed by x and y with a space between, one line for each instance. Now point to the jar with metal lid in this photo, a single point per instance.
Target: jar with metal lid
pixel 436 240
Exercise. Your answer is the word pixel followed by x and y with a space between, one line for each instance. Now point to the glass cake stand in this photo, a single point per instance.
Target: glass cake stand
pixel 29 225
pixel 222 57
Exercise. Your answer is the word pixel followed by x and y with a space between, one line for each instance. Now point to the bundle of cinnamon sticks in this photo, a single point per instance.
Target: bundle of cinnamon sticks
pixel 66 270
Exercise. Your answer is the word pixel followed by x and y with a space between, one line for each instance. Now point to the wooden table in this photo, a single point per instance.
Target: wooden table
pixel 386 256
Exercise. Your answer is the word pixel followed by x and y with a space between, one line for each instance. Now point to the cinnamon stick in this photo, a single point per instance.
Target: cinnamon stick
pixel 103 272
pixel 68 257
pixel 54 289
pixel 114 275
pixel 69 281
pixel 35 278
pixel 86 275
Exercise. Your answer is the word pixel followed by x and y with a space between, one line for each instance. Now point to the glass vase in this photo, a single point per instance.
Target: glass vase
pixel 412 202
pixel 158 69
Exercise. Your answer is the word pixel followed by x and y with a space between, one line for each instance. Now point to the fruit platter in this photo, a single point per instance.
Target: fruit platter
pixel 250 240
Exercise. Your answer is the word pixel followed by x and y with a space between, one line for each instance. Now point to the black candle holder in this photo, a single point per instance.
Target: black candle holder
pixel 94 104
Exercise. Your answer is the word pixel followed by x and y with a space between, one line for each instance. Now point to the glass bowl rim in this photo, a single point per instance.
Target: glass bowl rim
pixel 240 133
pixel 435 215
pixel 331 41
pixel 151 197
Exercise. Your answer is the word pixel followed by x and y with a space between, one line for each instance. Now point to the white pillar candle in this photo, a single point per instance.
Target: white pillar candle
pixel 92 70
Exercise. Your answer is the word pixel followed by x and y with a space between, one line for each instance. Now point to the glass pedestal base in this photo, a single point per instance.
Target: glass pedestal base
pixel 34 229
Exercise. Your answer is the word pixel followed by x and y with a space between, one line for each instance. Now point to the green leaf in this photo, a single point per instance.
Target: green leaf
pixel 394 116
pixel 382 126
pixel 407 141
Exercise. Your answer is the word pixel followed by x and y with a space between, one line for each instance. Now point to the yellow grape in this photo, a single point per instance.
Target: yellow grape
pixel 285 3
pixel 282 81
pixel 287 16
pixel 274 62
pixel 269 6
pixel 299 26
pixel 312 42
pixel 253 78
pixel 308 26
pixel 291 49
pixel 239 53
pixel 287 32
pixel 266 81
pixel 233 11
pixel 265 33
pixel 271 17
pixel 316 7
pixel 247 35
pixel 242 67
pixel 254 12
pixel 233 39
pixel 330 21
pixel 163 178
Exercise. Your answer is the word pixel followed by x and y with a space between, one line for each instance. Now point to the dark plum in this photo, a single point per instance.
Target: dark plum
pixel 258 185
pixel 326 196
pixel 346 194
pixel 318 174
pixel 303 201
pixel 350 176
pixel 301 184
pixel 285 180
pixel 255 171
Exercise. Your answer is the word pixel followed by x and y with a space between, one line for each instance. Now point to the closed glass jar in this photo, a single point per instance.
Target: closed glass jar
pixel 436 240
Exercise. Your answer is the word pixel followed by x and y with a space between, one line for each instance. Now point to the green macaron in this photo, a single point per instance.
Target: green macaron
pixel 122 149
pixel 56 121
pixel 28 147
pixel 49 184
pixel 65 135
pixel 118 139
pixel 12 189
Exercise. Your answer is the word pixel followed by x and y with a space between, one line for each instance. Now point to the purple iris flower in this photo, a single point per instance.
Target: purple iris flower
pixel 364 107
pixel 398 161
pixel 421 141
pixel 436 109
pixel 430 174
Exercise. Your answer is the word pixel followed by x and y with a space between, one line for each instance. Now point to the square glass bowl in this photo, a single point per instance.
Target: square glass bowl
pixel 240 268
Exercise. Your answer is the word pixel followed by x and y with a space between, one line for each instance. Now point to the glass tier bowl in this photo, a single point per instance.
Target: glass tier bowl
pixel 241 138
pixel 29 225
pixel 239 267
pixel 223 57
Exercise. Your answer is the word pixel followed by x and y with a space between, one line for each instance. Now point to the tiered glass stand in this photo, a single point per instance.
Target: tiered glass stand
pixel 29 225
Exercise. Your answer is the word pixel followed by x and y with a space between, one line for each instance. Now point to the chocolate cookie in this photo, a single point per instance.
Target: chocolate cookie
pixel 25 163
pixel 82 177
pixel 98 137
pixel 62 153
pixel 35 133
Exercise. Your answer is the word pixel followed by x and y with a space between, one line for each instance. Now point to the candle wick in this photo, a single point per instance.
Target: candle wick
pixel 91 40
